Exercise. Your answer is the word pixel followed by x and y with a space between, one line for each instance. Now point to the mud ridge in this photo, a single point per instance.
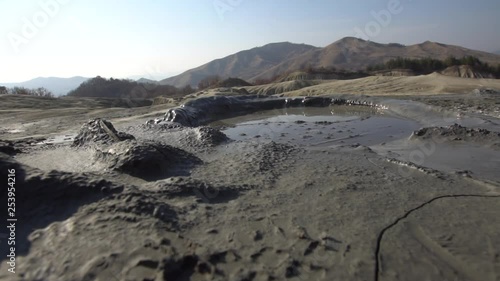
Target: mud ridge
pixel 385 229
pixel 419 168
pixel 208 109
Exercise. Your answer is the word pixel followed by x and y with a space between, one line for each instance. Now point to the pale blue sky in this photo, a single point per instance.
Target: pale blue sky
pixel 157 39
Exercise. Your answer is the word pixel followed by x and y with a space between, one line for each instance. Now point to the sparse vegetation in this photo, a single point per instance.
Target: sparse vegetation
pixel 341 73
pixel 38 92
pixel 429 65
pixel 215 81
pixel 209 82
pixel 233 82
pixel 264 81
pixel 321 72
pixel 121 88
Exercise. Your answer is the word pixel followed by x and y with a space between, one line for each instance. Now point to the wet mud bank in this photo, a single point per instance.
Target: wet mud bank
pixel 208 109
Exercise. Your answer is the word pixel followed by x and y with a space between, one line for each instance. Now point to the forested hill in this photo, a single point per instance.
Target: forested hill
pixel 122 88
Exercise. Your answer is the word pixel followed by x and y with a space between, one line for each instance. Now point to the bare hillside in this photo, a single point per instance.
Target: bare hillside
pixel 244 64
pixel 355 54
pixel 348 53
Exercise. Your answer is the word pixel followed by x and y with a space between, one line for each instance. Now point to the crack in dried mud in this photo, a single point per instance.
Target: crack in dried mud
pixel 398 220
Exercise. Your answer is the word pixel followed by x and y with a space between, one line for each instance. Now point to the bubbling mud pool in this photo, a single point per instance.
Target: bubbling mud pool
pixel 319 126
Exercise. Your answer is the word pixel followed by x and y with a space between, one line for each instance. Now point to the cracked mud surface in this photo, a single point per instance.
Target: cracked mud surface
pixel 251 209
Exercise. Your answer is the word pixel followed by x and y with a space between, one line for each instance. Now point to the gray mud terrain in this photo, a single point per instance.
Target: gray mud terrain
pixel 175 199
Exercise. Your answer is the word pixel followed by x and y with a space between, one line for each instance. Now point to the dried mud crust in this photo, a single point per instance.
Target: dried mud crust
pixel 447 253
pixel 45 197
pixel 257 164
pixel 319 219
pixel 484 102
pixel 458 133
pixel 110 232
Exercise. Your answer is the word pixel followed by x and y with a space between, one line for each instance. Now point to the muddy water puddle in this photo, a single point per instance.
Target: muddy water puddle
pixel 319 126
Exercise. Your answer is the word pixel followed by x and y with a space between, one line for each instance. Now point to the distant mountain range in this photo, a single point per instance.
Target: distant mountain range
pixel 348 53
pixel 146 81
pixel 244 64
pixel 58 86
pixel 278 58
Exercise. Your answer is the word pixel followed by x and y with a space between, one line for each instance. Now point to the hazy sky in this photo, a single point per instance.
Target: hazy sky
pixel 156 39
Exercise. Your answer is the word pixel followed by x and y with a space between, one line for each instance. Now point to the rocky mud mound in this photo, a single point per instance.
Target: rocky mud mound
pixel 147 160
pixel 459 133
pixel 121 152
pixel 99 131
pixel 210 136
pixel 272 154
pixel 178 135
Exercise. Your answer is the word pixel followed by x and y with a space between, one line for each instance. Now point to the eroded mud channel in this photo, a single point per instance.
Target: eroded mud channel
pixel 244 188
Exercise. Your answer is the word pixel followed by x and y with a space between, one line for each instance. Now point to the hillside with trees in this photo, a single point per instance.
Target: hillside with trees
pixel 38 92
pixel 267 63
pixel 429 65
pixel 215 81
pixel 312 73
pixel 121 88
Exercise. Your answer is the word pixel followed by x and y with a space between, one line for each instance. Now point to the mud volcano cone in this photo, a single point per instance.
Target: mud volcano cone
pixel 99 131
